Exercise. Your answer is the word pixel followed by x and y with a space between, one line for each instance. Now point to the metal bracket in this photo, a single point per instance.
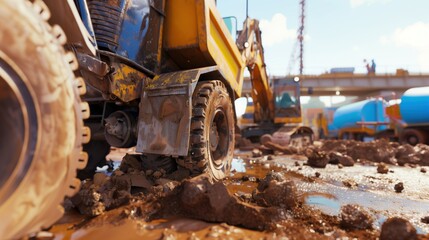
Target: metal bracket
pixel 166 112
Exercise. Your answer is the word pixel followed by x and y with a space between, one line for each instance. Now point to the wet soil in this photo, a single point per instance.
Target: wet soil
pixel 265 197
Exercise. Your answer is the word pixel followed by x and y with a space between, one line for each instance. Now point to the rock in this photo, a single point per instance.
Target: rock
pixel 168 185
pixel 425 220
pixel 423 170
pixel 244 144
pixel 317 174
pixel 382 168
pixel 130 163
pixel 157 174
pixel 354 217
pixel 180 174
pixel 340 166
pixel 333 145
pixel 100 178
pixel 117 172
pixel 350 183
pixel 405 154
pixel 397 229
pixel 88 200
pixel 265 150
pixel 256 153
pixel 116 192
pixel 339 158
pixel 263 184
pixel 270 157
pixel 399 187
pixel 140 180
pixel 315 158
pixel 274 190
pixel 245 197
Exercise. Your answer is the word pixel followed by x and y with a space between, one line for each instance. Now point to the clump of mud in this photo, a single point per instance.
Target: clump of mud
pixel 316 158
pixel 275 191
pixel 397 229
pixel 354 217
pixel 399 187
pixel 382 168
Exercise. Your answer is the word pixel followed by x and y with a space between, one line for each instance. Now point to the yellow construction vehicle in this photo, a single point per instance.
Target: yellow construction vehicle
pixel 274 111
pixel 158 75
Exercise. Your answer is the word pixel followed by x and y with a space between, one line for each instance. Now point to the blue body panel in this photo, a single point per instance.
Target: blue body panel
pixel 371 110
pixel 414 106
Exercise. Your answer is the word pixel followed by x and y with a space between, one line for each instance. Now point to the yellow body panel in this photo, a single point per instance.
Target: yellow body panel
pixel 196 36
pixel 287 120
pixel 366 130
pixel 126 82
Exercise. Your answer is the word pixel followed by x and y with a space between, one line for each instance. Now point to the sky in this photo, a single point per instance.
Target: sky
pixel 341 33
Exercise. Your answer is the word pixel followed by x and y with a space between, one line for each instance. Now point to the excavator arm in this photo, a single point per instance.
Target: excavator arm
pixel 249 42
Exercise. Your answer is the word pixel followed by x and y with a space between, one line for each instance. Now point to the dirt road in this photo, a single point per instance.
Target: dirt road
pixel 265 197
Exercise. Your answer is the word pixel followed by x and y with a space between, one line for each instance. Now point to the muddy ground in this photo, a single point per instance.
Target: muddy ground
pixel 332 190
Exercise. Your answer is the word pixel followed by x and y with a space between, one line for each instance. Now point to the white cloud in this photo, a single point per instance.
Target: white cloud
pixel 276 31
pixel 356 48
pixel 358 3
pixel 414 37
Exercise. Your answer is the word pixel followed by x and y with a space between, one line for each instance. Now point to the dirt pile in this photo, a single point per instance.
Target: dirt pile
pixel 134 175
pixel 199 198
pixel 347 152
pixel 94 198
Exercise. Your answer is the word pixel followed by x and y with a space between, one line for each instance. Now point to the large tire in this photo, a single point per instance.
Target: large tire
pixel 41 125
pixel 212 130
pixel 97 149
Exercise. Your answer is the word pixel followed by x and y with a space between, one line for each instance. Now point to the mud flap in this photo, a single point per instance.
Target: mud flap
pixel 166 111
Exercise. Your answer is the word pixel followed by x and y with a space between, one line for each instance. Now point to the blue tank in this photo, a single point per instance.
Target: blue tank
pixel 371 110
pixel 414 106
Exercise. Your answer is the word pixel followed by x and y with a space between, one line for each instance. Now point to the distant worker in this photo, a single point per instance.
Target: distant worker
pixel 322 126
pixel 368 68
pixel 373 66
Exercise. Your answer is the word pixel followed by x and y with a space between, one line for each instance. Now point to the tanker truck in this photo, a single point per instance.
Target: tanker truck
pixel 410 118
pixel 359 120
pixel 406 121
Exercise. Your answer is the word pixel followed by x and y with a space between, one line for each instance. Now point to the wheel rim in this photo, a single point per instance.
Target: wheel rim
pixel 413 140
pixel 18 128
pixel 218 138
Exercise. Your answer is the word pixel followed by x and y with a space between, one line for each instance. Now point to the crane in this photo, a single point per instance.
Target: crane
pixel 299 44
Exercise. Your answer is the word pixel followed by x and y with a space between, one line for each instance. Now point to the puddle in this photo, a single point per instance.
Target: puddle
pixel 327 204
pixel 238 165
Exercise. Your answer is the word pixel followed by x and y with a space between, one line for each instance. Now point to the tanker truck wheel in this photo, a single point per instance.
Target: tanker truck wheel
pixel 413 136
pixel 41 123
pixel 212 130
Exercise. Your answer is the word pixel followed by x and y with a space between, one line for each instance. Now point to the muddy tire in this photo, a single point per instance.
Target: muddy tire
pixel 41 123
pixel 413 136
pixel 212 130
